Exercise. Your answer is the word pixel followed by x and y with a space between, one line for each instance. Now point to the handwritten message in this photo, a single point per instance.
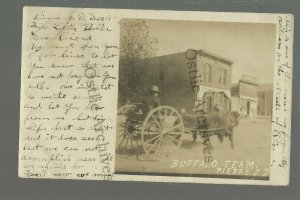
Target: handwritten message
pixel 69 83
pixel 281 118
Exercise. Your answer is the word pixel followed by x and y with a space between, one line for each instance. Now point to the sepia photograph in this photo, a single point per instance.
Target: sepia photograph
pixel 195 98
pixel 162 96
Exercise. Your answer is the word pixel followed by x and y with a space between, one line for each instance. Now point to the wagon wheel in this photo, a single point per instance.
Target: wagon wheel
pixel 162 131
pixel 127 130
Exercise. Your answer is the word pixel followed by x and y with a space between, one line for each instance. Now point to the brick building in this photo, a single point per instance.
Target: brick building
pixel 178 75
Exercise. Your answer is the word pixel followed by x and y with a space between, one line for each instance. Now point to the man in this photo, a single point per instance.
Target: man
pixel 153 100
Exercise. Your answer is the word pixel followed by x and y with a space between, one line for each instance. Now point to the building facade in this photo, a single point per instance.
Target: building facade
pixel 195 80
pixel 215 81
pixel 244 97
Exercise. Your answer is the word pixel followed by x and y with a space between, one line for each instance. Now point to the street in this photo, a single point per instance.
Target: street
pixel 249 157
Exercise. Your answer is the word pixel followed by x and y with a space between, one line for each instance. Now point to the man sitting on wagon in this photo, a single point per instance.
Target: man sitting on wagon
pixel 153 100
pixel 141 109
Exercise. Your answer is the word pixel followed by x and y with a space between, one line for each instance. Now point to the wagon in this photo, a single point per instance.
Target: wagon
pixel 158 132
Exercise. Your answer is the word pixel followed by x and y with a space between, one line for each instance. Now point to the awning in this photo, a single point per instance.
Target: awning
pixel 204 89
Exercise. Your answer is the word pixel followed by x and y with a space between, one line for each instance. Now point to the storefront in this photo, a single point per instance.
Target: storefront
pixel 245 98
pixel 214 99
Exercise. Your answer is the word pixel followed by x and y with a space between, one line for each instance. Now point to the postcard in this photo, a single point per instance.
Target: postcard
pixel 161 96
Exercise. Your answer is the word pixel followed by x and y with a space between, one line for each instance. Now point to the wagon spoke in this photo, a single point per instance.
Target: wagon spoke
pixel 166 112
pixel 135 133
pixel 174 133
pixel 173 128
pixel 166 146
pixel 121 142
pixel 124 134
pixel 155 137
pixel 169 141
pixel 159 145
pixel 131 140
pixel 151 133
pixel 172 138
pixel 137 143
pixel 162 124
pixel 127 141
pixel 149 150
pixel 162 146
pixel 163 112
pixel 156 121
pixel 172 112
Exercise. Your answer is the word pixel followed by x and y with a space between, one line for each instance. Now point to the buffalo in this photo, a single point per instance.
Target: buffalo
pixel 218 123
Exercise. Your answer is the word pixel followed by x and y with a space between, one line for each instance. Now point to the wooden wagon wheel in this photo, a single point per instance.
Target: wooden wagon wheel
pixel 127 130
pixel 162 131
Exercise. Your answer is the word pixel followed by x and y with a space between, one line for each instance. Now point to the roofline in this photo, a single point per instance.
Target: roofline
pixel 246 81
pixel 215 56
pixel 200 51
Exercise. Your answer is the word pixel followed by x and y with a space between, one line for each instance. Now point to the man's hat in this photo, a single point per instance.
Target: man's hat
pixel 155 88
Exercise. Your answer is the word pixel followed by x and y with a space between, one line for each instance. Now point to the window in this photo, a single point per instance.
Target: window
pixel 207 72
pixel 223 76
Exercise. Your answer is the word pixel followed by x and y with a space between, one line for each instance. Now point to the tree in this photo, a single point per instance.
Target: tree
pixel 136 44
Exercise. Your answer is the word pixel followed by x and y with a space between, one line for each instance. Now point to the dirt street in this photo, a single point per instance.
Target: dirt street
pixel 249 158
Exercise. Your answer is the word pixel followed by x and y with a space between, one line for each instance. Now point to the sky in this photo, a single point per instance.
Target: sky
pixel 250 46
